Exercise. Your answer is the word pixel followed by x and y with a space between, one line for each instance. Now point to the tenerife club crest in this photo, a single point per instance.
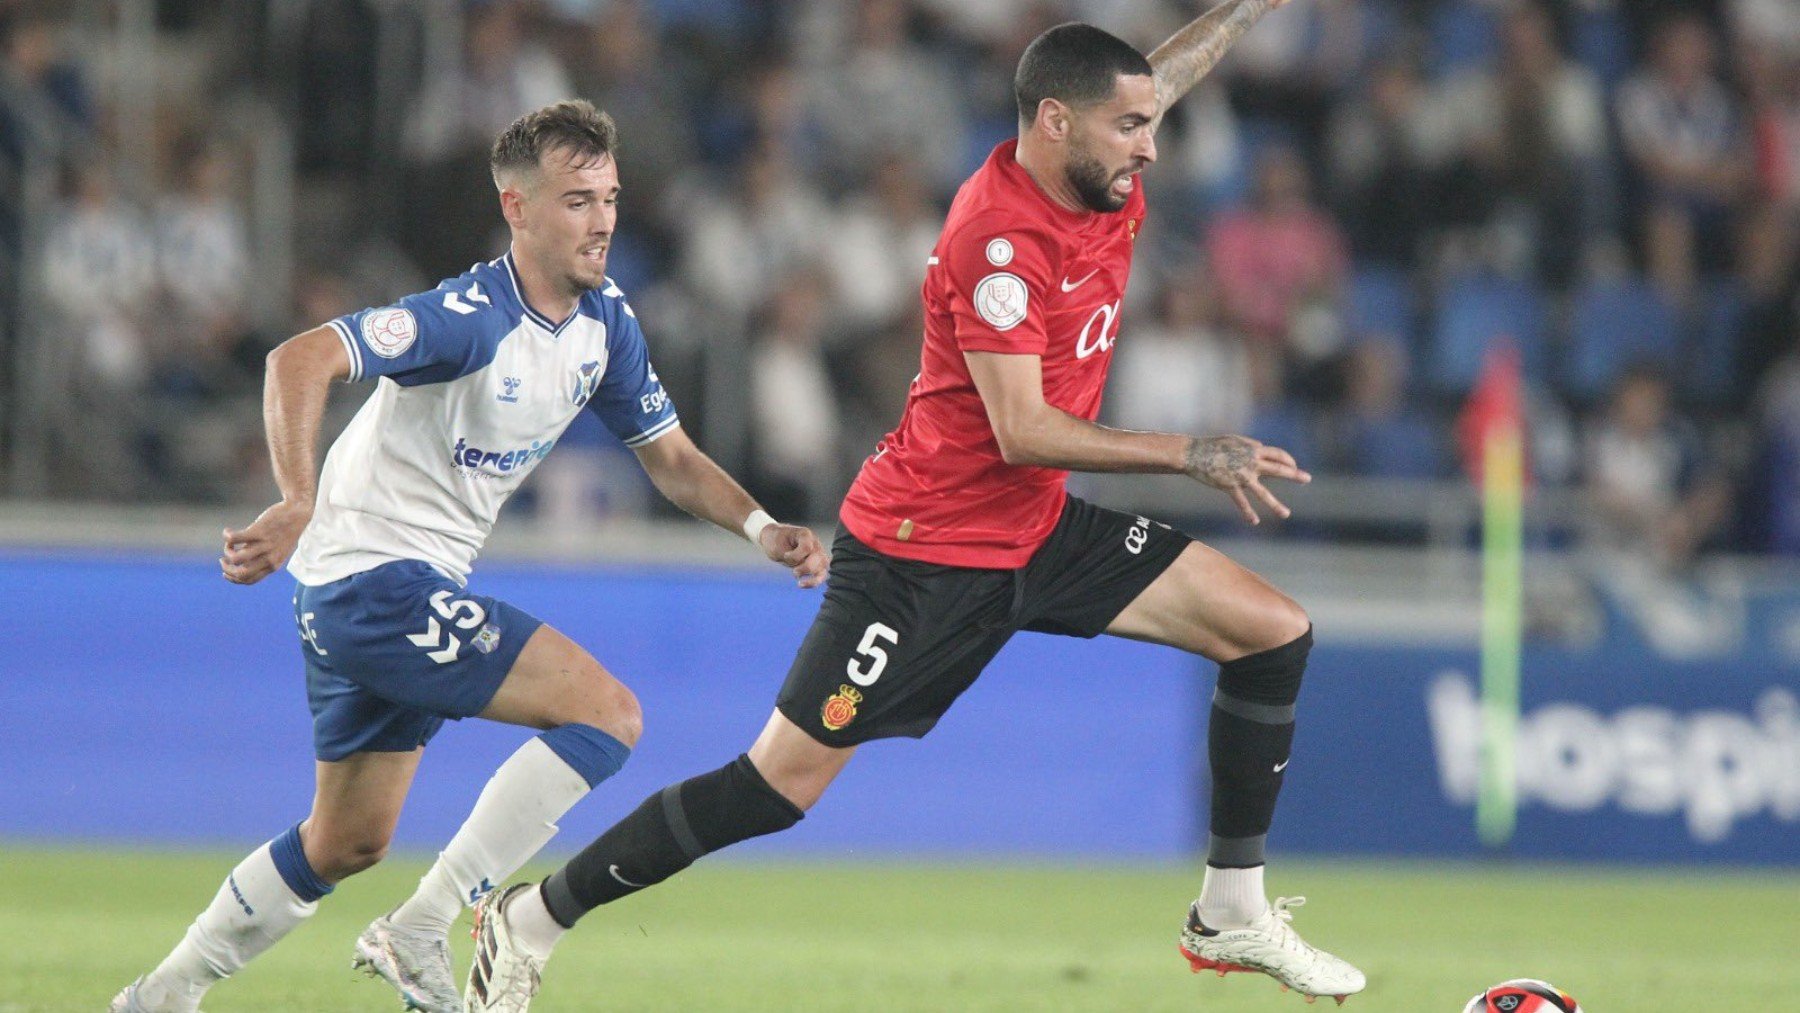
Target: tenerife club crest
pixel 586 379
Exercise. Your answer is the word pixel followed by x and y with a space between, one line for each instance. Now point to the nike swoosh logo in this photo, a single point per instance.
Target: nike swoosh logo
pixel 615 874
pixel 1068 286
pixel 1279 767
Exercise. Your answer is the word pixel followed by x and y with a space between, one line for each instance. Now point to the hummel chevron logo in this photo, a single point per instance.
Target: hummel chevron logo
pixel 1069 286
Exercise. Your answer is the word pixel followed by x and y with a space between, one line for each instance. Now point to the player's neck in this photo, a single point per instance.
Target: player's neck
pixel 1051 181
pixel 539 291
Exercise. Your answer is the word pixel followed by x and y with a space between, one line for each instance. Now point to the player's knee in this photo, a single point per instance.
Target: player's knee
pixel 341 856
pixel 1286 622
pixel 615 711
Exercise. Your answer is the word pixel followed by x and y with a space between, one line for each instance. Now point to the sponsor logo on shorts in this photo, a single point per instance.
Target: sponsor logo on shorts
pixel 840 708
pixel 1137 536
pixel 487 639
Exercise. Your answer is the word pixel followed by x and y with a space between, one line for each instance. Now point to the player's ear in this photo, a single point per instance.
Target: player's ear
pixel 512 204
pixel 1056 119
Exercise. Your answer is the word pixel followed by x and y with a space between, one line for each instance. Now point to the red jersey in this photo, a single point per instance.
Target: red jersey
pixel 1014 273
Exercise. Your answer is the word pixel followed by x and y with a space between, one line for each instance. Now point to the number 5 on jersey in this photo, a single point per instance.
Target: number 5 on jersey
pixel 871 652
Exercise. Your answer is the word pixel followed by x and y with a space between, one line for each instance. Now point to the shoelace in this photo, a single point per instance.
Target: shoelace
pixel 1284 932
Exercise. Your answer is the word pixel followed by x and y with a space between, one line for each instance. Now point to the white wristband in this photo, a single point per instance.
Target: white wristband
pixel 755 523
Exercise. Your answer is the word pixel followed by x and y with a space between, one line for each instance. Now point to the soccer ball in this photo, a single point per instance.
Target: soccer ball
pixel 1523 995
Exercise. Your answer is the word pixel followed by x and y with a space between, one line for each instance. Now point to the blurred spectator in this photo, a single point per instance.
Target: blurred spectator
pixel 1683 136
pixel 1528 137
pixel 99 276
pixel 1780 468
pixel 1376 432
pixel 1649 486
pixel 739 245
pixel 1185 371
pixel 1281 264
pixel 36 70
pixel 1772 25
pixel 1384 147
pixel 793 405
pixel 622 67
pixel 1287 72
pixel 502 76
pixel 888 94
pixel 450 218
pixel 879 245
pixel 203 258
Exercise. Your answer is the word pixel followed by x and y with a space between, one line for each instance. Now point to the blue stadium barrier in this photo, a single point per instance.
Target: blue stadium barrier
pixel 148 701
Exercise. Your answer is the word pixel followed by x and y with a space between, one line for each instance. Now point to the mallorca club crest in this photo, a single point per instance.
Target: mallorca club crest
pixel 586 379
pixel 840 708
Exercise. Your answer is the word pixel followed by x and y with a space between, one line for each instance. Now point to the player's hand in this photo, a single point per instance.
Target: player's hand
pixel 264 546
pixel 1238 464
pixel 794 546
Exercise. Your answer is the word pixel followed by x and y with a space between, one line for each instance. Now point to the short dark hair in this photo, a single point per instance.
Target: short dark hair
pixel 575 124
pixel 1075 64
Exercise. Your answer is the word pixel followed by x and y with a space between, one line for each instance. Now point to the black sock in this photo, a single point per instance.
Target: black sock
pixel 665 835
pixel 1247 745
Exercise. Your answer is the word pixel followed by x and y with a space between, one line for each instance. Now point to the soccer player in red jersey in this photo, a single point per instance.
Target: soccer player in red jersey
pixel 958 532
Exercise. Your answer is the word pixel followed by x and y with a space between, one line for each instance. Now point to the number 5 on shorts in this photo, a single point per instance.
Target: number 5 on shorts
pixel 875 654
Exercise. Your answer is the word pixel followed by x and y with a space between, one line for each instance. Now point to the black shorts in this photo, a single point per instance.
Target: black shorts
pixel 897 641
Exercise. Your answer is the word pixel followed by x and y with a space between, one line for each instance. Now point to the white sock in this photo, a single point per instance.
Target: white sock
pixel 531 923
pixel 252 910
pixel 1232 898
pixel 512 820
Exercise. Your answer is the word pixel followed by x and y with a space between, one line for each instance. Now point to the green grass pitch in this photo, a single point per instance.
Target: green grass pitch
pixel 842 936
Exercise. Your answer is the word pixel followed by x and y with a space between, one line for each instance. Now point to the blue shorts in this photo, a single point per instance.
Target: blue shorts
pixel 391 652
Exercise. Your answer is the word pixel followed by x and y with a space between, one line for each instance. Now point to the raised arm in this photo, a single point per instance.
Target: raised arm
pixel 1191 53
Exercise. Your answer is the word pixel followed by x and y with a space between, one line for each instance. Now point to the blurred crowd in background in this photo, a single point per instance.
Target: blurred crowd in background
pixel 1364 196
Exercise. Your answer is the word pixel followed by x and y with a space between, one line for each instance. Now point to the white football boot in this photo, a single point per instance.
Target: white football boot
pixel 130 1000
pixel 504 976
pixel 1270 945
pixel 416 962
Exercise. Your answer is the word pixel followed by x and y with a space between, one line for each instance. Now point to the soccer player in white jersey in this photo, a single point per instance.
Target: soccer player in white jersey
pixel 478 379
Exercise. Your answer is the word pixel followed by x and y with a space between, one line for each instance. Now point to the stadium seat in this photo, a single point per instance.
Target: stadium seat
pixel 1381 304
pixel 1464 36
pixel 1474 312
pixel 1709 373
pixel 1599 41
pixel 1615 325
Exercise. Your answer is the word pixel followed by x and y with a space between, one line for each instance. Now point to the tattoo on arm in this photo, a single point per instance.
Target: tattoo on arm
pixel 1191 53
pixel 1223 462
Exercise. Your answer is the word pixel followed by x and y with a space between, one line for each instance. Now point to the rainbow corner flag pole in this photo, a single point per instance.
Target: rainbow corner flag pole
pixel 1492 431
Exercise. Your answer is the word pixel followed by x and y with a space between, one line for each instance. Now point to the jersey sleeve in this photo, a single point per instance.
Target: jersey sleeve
pixel 429 337
pixel 630 400
pixel 999 280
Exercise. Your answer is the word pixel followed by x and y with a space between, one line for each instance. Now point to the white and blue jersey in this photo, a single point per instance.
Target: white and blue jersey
pixel 475 388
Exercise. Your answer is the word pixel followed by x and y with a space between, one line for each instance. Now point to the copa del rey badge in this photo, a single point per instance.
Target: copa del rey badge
pixel 840 708
pixel 1001 299
pixel 390 331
